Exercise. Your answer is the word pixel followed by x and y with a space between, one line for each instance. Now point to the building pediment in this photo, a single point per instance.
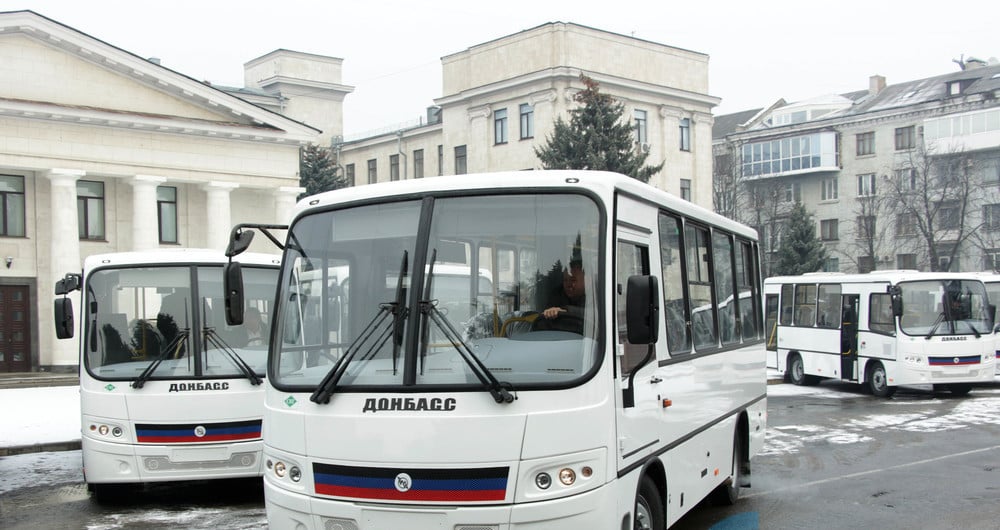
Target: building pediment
pixel 56 73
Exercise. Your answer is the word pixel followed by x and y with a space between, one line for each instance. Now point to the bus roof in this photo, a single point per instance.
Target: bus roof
pixel 603 183
pixel 887 276
pixel 176 256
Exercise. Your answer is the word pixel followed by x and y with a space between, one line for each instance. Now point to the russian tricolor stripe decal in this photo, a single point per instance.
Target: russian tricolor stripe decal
pixel 433 485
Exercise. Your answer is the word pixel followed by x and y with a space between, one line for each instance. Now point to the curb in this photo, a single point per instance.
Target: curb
pixel 38 381
pixel 46 447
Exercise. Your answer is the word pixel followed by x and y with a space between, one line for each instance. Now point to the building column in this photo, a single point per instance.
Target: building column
pixel 478 148
pixel 145 220
pixel 64 257
pixel 285 198
pixel 220 220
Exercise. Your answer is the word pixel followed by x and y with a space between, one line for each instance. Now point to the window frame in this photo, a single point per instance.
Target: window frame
pixel 418 163
pixel 6 199
pixel 372 170
pixel 500 126
pixel 461 160
pixel 527 121
pixel 640 126
pixel 865 144
pixel 685 134
pixel 161 215
pixel 906 137
pixel 84 203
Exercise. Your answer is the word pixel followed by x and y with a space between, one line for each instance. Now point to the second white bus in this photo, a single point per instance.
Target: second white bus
pixel 883 329
pixel 168 391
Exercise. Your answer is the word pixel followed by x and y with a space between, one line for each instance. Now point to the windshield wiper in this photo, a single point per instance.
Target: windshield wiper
pixel 164 353
pixel 501 391
pixel 398 311
pixel 213 338
pixel 934 326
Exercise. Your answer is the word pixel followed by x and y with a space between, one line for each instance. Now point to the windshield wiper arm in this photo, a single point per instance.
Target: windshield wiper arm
pixel 164 353
pixel 501 391
pixel 396 308
pixel 213 338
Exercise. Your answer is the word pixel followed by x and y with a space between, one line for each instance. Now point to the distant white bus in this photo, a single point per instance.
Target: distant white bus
pixel 168 391
pixel 882 329
pixel 426 396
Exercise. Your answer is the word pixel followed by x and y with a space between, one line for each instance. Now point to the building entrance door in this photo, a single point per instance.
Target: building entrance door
pixel 15 330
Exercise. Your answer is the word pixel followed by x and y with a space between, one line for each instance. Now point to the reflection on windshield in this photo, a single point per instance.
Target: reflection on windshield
pixel 501 264
pixel 951 307
pixel 150 323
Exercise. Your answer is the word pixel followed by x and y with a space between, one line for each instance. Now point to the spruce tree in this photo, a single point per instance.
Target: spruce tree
pixel 597 137
pixel 801 251
pixel 318 171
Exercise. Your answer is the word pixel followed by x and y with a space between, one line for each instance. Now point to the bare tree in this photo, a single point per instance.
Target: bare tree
pixel 932 194
pixel 728 191
pixel 871 235
pixel 767 209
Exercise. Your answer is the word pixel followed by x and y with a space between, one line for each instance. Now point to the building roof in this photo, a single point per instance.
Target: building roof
pixel 728 123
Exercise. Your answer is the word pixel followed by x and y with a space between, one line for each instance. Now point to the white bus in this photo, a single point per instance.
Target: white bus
pixel 882 329
pixel 992 281
pixel 619 398
pixel 168 391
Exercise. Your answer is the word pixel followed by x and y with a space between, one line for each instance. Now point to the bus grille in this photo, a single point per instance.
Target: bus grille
pixel 412 485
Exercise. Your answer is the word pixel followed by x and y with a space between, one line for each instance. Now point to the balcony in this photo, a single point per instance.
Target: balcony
pixel 794 155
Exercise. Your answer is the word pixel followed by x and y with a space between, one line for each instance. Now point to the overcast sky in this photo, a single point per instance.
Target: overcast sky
pixel 392 49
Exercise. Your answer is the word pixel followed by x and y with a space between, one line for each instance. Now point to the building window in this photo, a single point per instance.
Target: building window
pixel 991 170
pixel 866 185
pixel 500 126
pixel 831 265
pixel 991 260
pixel 11 206
pixel 866 264
pixel 792 192
pixel 372 171
pixel 686 189
pixel 90 209
pixel 828 229
pixel 685 133
pixel 166 213
pixel 830 189
pixel 440 160
pixel 527 121
pixel 906 261
pixel 906 225
pixel 349 173
pixel 907 179
pixel 865 227
pixel 418 164
pixel 461 162
pixel 640 126
pixel 393 167
pixel 906 138
pixel 991 216
pixel 866 143
pixel 948 216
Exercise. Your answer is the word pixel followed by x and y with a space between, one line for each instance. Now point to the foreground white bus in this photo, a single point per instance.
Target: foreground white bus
pixel 395 403
pixel 168 391
pixel 882 329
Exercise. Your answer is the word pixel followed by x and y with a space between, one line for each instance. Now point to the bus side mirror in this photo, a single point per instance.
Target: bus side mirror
pixel 896 300
pixel 239 241
pixel 232 282
pixel 64 318
pixel 642 307
pixel 68 284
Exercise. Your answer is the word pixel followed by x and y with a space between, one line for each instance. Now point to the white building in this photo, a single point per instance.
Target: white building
pixel 105 151
pixel 502 97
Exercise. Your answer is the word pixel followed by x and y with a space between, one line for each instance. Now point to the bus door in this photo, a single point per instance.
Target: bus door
pixel 849 337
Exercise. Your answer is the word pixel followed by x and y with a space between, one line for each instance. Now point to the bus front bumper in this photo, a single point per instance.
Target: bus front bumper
pixel 290 510
pixel 106 462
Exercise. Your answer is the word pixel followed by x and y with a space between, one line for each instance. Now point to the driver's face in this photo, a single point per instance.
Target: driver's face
pixel 573 283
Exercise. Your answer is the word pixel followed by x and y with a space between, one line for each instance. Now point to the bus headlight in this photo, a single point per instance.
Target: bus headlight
pixel 914 359
pixel 561 476
pixel 567 476
pixel 543 481
pixel 279 468
pixel 295 474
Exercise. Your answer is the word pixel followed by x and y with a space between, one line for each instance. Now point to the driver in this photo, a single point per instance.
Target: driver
pixel 569 300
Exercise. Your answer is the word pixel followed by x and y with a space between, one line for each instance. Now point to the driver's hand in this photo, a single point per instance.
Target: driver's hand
pixel 552 312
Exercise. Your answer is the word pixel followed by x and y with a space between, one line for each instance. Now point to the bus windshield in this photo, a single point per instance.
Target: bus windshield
pixel 167 322
pixel 490 268
pixel 944 307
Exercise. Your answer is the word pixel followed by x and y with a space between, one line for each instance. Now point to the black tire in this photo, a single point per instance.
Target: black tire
pixel 727 493
pixel 797 372
pixel 878 381
pixel 112 493
pixel 959 389
pixel 648 513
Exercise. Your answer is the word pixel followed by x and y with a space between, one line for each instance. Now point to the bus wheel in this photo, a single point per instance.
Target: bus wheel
pixel 959 389
pixel 727 493
pixel 648 507
pixel 878 382
pixel 797 371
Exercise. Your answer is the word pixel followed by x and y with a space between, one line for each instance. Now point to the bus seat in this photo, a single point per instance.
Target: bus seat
pixel 517 324
pixel 113 329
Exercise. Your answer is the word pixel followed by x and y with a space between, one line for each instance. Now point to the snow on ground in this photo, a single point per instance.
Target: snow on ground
pixel 40 469
pixel 39 415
